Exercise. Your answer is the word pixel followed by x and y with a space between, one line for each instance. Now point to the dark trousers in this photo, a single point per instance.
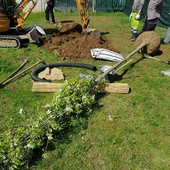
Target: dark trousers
pixel 149 25
pixel 49 12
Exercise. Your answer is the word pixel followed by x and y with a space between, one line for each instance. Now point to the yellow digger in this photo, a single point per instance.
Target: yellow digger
pixel 82 6
pixel 12 33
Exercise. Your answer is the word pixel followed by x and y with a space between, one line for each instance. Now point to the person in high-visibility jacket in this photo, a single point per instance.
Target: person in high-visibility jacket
pixel 135 17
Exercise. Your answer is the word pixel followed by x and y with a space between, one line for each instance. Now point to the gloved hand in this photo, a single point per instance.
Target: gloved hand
pixel 130 16
pixel 137 16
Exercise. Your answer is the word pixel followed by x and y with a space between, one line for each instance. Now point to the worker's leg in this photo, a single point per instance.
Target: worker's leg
pixel 134 26
pixel 47 14
pixel 149 25
pixel 52 14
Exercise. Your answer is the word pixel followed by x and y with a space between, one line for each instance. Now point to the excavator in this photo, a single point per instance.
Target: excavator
pixel 12 33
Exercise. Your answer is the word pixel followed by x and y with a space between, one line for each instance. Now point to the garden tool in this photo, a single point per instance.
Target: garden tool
pixel 8 80
pixel 14 72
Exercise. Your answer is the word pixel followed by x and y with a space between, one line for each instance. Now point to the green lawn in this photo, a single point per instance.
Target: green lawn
pixel 139 134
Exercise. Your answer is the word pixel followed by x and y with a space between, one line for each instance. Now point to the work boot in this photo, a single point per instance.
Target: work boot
pixel 134 36
pixel 46 21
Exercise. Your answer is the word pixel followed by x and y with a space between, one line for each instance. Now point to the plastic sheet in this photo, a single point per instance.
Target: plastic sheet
pixel 104 54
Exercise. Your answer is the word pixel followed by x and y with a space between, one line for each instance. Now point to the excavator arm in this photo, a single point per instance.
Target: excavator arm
pixel 82 6
pixel 19 9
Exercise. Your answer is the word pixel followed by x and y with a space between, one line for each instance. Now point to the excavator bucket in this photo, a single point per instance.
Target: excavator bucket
pixel 93 31
pixel 34 33
pixel 82 6
pixel 75 27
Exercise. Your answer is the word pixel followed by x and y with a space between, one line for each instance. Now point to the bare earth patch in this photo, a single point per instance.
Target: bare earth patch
pixel 71 43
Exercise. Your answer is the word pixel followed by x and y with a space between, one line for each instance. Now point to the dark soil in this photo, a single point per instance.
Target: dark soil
pixel 71 43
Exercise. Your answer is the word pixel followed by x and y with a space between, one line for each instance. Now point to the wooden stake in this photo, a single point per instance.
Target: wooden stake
pixel 53 87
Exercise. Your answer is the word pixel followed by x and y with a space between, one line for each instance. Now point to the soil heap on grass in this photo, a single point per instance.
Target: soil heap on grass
pixel 71 43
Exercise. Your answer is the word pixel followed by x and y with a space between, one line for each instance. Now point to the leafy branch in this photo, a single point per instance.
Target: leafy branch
pixel 69 105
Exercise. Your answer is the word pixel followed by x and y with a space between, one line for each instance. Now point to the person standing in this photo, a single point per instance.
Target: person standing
pixel 153 13
pixel 49 11
pixel 166 39
pixel 135 17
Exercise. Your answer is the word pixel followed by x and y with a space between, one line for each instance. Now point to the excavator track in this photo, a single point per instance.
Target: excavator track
pixel 9 41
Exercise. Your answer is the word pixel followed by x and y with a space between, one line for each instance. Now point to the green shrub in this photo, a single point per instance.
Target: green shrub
pixel 67 110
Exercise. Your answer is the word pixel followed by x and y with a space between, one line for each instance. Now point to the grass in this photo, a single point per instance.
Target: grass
pixel 137 138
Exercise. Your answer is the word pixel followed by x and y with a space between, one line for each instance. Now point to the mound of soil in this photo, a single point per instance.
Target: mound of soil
pixel 71 43
pixel 152 39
